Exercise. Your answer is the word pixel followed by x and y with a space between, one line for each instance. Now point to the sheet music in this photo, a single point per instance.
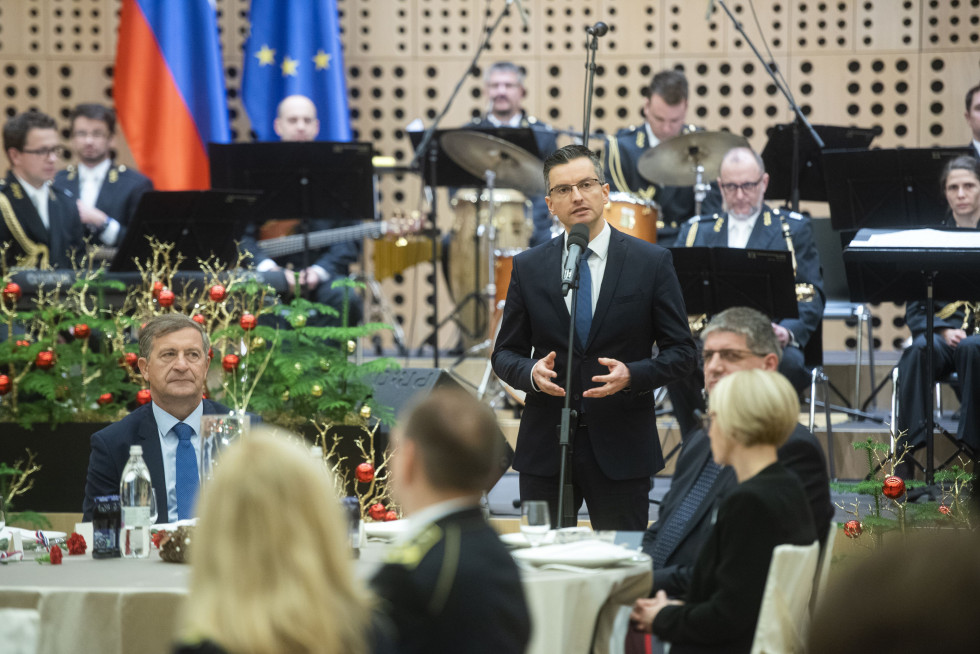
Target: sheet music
pixel 918 238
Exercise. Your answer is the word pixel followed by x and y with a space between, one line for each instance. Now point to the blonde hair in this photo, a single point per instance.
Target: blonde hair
pixel 270 568
pixel 755 407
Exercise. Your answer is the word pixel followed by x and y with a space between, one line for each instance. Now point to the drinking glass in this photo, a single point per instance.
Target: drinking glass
pixel 535 521
pixel 3 516
pixel 154 514
pixel 219 432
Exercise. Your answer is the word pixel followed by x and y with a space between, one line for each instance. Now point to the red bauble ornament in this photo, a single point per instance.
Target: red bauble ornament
pixel 82 330
pixel 198 318
pixel 248 322
pixel 852 529
pixel 377 511
pixel 166 298
pixel 105 398
pixel 217 293
pixel 11 292
pixel 364 472
pixel 390 515
pixel 5 384
pixel 143 396
pixel 157 287
pixel 893 488
pixel 230 362
pixel 44 359
pixel 23 343
pixel 130 359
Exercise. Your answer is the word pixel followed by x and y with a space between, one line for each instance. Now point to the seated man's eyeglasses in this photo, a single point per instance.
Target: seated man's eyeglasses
pixel 56 150
pixel 745 187
pixel 584 187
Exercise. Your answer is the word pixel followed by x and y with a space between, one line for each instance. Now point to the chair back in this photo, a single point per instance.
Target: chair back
pixel 783 617
pixel 823 568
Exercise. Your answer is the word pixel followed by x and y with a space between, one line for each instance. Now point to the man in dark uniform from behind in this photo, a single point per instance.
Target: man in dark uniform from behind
pixel 107 193
pixel 39 220
pixel 450 585
pixel 664 110
pixel 973 118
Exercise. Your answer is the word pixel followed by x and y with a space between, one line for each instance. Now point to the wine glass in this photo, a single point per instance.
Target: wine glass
pixel 535 521
pixel 154 514
pixel 219 432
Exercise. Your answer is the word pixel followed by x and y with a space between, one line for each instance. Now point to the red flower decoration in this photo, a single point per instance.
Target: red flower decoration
pixel 5 384
pixel 166 298
pixel 945 510
pixel 157 287
pixel 217 293
pixel 11 292
pixel 82 330
pixel 76 544
pixel 44 359
pixel 230 362
pixel 852 529
pixel 23 343
pixel 55 553
pixel 377 511
pixel 159 537
pixel 198 318
pixel 390 515
pixel 893 488
pixel 364 472
pixel 105 398
pixel 143 396
pixel 248 322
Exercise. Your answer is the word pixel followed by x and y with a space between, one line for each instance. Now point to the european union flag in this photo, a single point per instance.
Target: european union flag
pixel 294 48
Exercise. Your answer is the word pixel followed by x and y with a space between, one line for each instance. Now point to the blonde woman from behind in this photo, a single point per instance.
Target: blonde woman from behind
pixel 270 568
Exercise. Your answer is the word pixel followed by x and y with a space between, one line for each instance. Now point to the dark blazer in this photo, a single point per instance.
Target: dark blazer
pixel 454 588
pixel 640 304
pixel 722 605
pixel 120 193
pixel 110 452
pixel 65 236
pixel 801 454
pixel 712 231
pixel 547 141
pixel 621 159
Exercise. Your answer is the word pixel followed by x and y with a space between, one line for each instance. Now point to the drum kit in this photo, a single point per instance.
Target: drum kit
pixel 495 223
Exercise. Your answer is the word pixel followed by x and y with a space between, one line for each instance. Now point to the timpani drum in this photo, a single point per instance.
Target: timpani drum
pixel 633 215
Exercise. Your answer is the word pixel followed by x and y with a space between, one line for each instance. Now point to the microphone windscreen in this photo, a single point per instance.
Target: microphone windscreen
pixel 579 235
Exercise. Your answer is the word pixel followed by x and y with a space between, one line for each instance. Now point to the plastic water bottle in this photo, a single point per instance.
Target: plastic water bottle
pixel 136 499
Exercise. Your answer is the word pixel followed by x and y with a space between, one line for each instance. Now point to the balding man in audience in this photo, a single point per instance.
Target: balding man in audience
pixel 450 585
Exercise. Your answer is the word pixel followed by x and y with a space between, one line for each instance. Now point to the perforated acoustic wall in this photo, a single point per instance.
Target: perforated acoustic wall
pixel 901 65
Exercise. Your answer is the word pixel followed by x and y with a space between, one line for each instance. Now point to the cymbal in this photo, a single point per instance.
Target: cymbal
pixel 514 166
pixel 673 162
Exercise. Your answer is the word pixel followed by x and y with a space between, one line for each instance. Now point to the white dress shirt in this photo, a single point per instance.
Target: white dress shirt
pixel 90 179
pixel 168 446
pixel 39 197
pixel 515 120
pixel 740 230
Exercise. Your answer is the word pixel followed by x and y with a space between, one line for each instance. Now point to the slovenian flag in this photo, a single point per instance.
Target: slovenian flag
pixel 169 89
pixel 294 49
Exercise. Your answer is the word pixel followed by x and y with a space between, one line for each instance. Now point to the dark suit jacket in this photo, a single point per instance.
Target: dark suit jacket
pixel 65 236
pixel 712 231
pixel 722 605
pixel 120 193
pixel 639 304
pixel 454 588
pixel 801 454
pixel 110 452
pixel 620 161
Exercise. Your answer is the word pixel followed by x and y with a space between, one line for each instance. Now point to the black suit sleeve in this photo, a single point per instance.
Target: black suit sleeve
pixel 512 354
pixel 803 458
pixel 98 481
pixel 915 318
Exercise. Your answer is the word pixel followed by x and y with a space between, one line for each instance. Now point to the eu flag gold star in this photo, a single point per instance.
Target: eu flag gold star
pixel 321 59
pixel 266 56
pixel 289 66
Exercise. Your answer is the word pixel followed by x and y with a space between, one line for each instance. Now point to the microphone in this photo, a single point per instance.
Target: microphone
pixel 578 240
pixel 520 10
pixel 711 9
pixel 597 30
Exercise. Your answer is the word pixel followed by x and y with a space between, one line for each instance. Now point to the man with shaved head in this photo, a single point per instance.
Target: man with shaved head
pixel 296 119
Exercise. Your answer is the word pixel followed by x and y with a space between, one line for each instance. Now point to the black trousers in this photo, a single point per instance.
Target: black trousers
pixel 621 505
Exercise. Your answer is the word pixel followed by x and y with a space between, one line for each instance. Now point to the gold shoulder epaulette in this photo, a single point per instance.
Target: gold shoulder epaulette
pixel 411 553
pixel 719 222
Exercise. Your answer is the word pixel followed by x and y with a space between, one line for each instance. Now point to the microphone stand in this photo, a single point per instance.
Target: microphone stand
pixel 800 118
pixel 590 51
pixel 569 420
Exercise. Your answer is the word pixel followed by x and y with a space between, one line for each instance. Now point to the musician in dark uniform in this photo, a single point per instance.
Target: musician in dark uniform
pixel 956 341
pixel 973 117
pixel 750 223
pixel 39 221
pixel 664 110
pixel 107 193
pixel 450 585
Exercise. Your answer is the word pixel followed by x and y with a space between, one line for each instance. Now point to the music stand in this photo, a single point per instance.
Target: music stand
pixel 886 188
pixel 200 224
pixel 779 150
pixel 449 173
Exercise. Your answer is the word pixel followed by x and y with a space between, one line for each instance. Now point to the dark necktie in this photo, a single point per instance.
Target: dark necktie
pixel 187 479
pixel 583 308
pixel 673 530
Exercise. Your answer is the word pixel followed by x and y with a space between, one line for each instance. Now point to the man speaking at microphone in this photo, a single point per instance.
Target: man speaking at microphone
pixel 629 300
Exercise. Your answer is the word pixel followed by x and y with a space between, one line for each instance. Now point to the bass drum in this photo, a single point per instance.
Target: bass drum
pixel 633 215
pixel 513 225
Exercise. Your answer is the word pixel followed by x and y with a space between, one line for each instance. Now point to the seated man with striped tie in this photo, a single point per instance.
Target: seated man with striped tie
pixel 174 362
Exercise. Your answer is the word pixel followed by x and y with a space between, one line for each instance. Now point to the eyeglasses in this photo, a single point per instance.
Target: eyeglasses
pixel 744 187
pixel 45 153
pixel 729 355
pixel 584 187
